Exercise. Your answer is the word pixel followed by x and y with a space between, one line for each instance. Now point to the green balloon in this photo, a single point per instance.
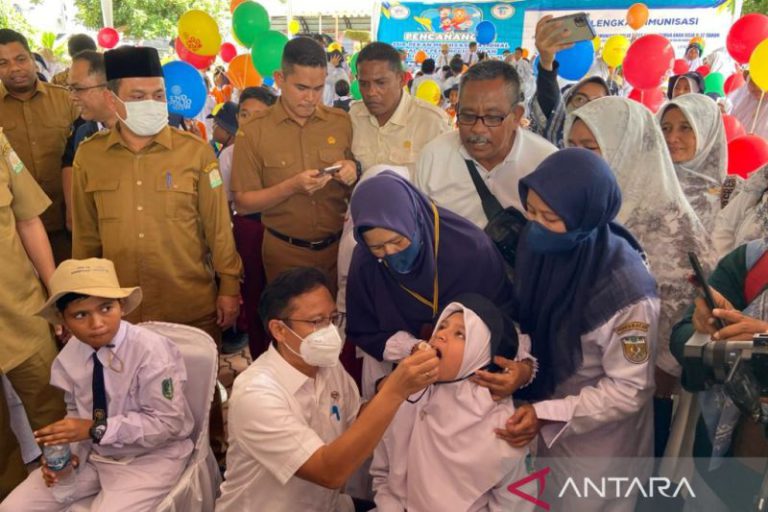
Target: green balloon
pixel 354 89
pixel 267 51
pixel 353 64
pixel 715 82
pixel 248 21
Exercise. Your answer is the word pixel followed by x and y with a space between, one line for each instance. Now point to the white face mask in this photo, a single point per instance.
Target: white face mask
pixel 321 348
pixel 146 117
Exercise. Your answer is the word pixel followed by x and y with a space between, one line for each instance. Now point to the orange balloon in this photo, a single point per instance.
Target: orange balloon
pixel 242 73
pixel 637 16
pixel 525 53
pixel 233 4
pixel 420 56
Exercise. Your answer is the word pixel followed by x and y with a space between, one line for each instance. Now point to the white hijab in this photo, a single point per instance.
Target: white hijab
pixel 703 175
pixel 654 208
pixel 744 108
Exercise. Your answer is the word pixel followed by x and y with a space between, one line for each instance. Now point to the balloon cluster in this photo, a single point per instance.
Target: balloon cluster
pixel 251 28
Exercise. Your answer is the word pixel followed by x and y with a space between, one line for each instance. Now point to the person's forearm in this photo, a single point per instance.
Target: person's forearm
pixel 256 201
pixel 35 241
pixel 66 183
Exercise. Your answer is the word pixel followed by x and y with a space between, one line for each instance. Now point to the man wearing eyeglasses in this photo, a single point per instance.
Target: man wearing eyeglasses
pixel 489 143
pixel 36 117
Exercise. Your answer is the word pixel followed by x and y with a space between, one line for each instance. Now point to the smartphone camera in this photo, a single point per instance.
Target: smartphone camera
pixel 580 21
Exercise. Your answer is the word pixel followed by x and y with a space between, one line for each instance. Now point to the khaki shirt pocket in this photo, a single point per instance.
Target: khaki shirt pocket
pixel 329 156
pixel 106 195
pixel 278 167
pixel 179 194
pixel 402 156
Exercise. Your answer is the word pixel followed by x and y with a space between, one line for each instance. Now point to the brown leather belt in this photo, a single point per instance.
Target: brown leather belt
pixel 317 245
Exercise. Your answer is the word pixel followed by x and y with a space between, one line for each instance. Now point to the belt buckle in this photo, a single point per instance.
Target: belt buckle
pixel 317 244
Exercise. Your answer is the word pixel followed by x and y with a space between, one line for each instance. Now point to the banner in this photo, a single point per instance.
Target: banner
pixel 414 26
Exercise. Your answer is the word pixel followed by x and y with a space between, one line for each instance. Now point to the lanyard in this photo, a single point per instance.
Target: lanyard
pixel 434 302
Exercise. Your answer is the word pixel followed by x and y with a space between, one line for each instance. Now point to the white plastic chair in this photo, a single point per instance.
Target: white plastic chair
pixel 198 487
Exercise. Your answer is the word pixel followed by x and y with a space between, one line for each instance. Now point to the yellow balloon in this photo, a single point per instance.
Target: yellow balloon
pixel 596 43
pixel 429 91
pixel 758 66
pixel 199 33
pixel 615 50
pixel 294 27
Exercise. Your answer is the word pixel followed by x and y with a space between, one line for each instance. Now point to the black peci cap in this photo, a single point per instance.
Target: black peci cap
pixel 132 62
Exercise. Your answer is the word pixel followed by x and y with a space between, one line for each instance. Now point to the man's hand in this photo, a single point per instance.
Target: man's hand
pixel 502 385
pixel 308 182
pixel 521 428
pixel 738 325
pixel 703 320
pixel 347 174
pixel 227 309
pixel 413 373
pixel 68 430
pixel 549 38
pixel 51 477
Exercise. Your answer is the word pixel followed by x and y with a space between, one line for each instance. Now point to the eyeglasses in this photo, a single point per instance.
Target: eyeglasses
pixel 336 319
pixel 73 89
pixel 580 99
pixel 489 121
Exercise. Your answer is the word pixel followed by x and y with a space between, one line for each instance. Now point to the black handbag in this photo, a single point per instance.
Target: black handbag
pixel 504 224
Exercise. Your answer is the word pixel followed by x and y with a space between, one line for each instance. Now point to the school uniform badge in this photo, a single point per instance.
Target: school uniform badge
pixel 168 388
pixel 635 349
pixel 15 162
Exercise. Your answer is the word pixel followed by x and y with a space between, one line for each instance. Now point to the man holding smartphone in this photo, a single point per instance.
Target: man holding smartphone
pixel 293 164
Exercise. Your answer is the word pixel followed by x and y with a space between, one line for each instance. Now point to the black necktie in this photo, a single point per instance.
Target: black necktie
pixel 99 392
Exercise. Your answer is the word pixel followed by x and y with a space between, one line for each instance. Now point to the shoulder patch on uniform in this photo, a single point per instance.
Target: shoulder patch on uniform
pixel 211 166
pixel 14 161
pixel 168 388
pixel 632 326
pixel 214 177
pixel 635 349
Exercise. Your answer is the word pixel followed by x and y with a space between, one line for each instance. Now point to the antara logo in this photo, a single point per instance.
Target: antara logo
pixel 541 476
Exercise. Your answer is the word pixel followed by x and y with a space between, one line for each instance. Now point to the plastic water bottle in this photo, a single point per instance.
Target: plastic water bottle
pixel 58 458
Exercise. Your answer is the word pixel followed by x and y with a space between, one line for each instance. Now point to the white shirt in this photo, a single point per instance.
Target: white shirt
pixel 470 58
pixel 278 418
pixel 442 173
pixel 225 166
pixel 444 59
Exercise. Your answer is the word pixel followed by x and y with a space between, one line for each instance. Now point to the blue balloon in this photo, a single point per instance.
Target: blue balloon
pixel 485 32
pixel 184 89
pixel 268 81
pixel 535 66
pixel 575 61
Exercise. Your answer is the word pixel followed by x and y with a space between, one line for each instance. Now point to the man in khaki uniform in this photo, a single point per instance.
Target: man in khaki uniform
pixel 277 161
pixel 27 349
pixel 37 118
pixel 149 198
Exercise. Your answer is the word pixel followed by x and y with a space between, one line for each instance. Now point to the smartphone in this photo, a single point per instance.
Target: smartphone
pixel 702 283
pixel 329 170
pixel 579 26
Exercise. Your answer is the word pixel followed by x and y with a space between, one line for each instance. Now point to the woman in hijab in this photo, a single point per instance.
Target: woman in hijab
pixel 439 452
pixel 589 304
pixel 695 135
pixel 693 56
pixel 746 216
pixel 412 259
pixel 745 101
pixel 687 83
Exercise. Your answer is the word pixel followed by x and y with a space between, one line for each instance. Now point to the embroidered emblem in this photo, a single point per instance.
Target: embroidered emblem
pixel 15 162
pixel 632 326
pixel 407 144
pixel 635 349
pixel 168 388
pixel 331 140
pixel 215 178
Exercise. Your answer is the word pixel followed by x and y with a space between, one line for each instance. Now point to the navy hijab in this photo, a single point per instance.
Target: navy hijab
pixel 467 262
pixel 561 296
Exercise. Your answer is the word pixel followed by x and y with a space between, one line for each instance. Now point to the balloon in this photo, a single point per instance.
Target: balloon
pixel 485 32
pixel 294 27
pixel 615 50
pixel 108 38
pixel 637 16
pixel 354 90
pixel 242 74
pixel 233 4
pixel 575 61
pixel 228 52
pixel 269 81
pixel 420 56
pixel 429 91
pixel 184 89
pixel 648 61
pixel 747 154
pixel 733 82
pixel 703 70
pixel 758 66
pixel 198 61
pixel 733 127
pixel 199 33
pixel 745 35
pixel 248 21
pixel 680 67
pixel 334 47
pixel 596 42
pixel 353 64
pixel 267 52
pixel 653 99
pixel 715 82
pixel 525 53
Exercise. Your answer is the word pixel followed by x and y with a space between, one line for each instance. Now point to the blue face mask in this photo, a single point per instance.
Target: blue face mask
pixel 402 262
pixel 544 241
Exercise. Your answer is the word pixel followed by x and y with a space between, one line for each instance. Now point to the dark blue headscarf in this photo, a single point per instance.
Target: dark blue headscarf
pixel 561 296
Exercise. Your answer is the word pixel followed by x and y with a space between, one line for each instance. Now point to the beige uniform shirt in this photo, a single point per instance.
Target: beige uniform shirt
pixel 161 216
pixel 399 141
pixel 21 292
pixel 38 129
pixel 272 147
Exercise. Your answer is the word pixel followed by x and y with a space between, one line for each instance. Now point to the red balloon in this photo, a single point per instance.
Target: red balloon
pixel 703 70
pixel 653 99
pixel 680 67
pixel 648 61
pixel 108 38
pixel 747 154
pixel 198 61
pixel 744 36
pixel 733 127
pixel 228 52
pixel 733 82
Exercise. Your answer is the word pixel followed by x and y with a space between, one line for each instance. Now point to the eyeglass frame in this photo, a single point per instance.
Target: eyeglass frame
pixel 316 324
pixel 482 119
pixel 78 90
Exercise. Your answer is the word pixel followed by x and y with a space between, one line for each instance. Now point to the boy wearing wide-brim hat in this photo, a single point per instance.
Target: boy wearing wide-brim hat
pixel 128 420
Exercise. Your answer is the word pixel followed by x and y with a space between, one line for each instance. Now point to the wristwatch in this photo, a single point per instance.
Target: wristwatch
pixel 97 431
